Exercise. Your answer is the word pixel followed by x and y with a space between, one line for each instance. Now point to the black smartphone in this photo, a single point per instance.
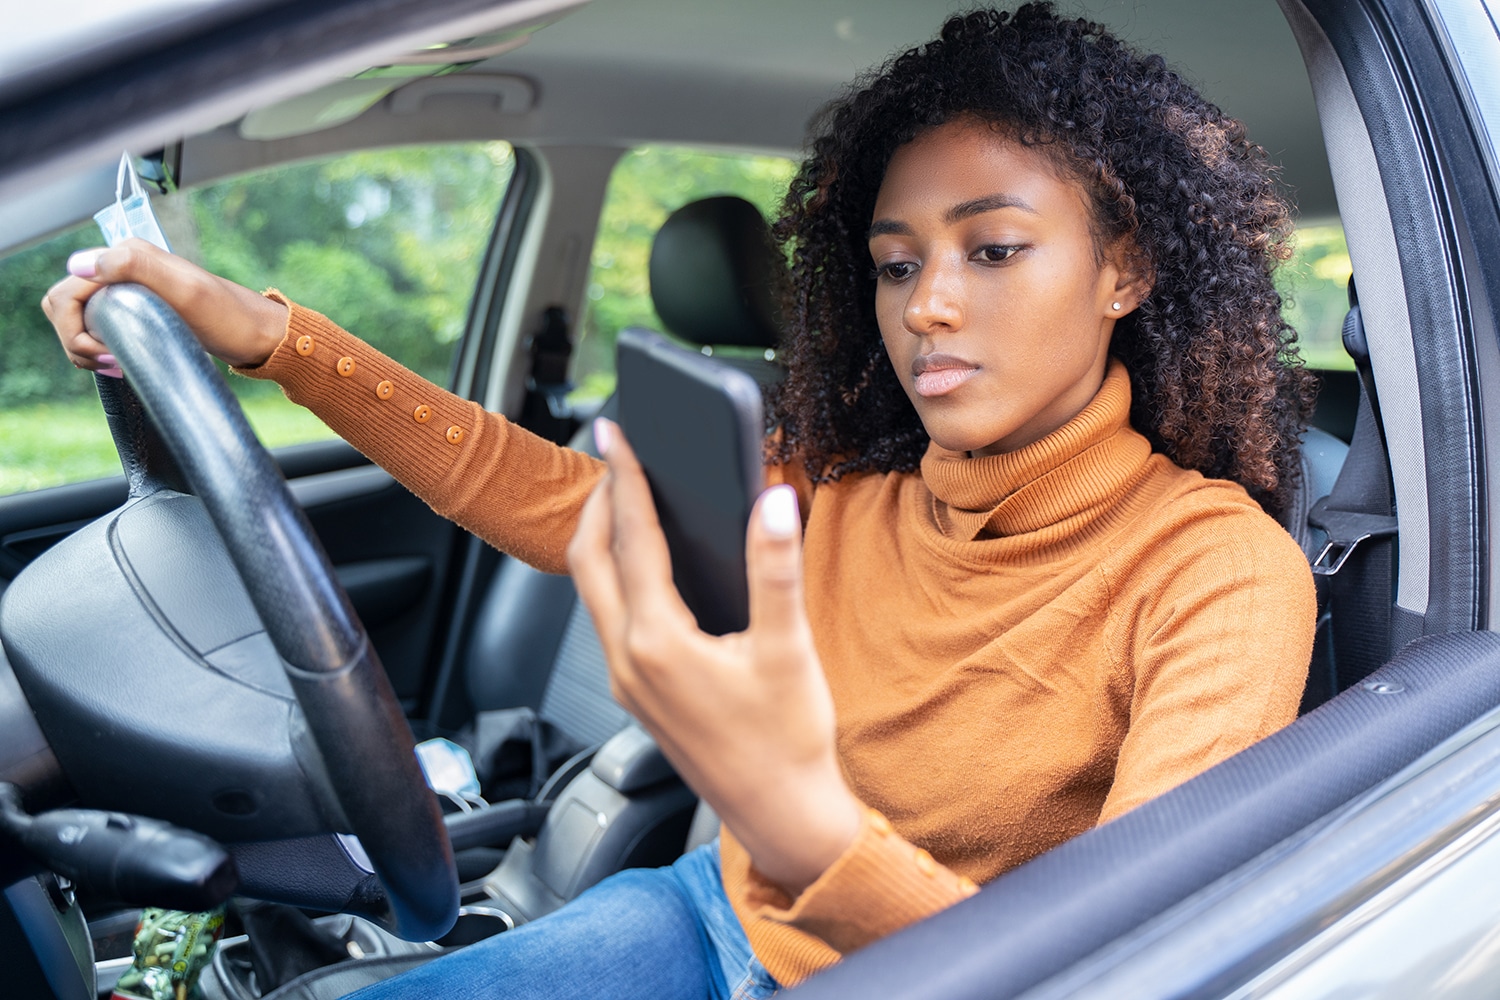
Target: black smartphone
pixel 696 425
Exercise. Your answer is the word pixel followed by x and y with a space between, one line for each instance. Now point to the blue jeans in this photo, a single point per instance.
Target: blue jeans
pixel 655 934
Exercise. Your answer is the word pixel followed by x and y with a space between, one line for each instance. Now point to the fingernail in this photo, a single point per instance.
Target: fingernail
pixel 604 435
pixel 778 512
pixel 108 361
pixel 84 263
pixel 112 372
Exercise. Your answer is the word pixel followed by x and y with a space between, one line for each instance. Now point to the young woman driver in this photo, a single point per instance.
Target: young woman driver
pixel 1018 576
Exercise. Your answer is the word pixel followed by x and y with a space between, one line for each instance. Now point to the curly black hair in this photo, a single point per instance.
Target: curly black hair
pixel 1216 380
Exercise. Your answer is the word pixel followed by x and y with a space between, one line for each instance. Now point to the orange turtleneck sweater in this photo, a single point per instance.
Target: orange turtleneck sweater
pixel 1019 646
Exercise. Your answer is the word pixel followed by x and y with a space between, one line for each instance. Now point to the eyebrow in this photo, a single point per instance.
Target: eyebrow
pixel 988 203
pixel 959 212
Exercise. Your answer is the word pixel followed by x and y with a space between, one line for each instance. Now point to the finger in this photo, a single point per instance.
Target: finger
pixel 89 270
pixel 63 306
pixel 131 260
pixel 87 351
pixel 644 562
pixel 183 285
pixel 773 556
pixel 591 562
pixel 84 263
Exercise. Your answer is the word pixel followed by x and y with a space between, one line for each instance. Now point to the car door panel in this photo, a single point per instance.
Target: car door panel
pixel 390 550
pixel 391 553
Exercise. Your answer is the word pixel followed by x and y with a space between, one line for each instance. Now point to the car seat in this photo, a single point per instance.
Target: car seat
pixel 533 667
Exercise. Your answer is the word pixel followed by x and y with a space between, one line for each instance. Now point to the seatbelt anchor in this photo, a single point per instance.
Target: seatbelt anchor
pixel 1346 530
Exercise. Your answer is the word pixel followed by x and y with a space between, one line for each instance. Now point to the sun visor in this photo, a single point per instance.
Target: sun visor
pixel 345 100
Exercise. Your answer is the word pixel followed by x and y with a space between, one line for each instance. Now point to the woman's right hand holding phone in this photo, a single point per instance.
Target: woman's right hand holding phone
pixel 235 324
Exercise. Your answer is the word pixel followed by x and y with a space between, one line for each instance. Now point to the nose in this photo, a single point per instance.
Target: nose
pixel 936 300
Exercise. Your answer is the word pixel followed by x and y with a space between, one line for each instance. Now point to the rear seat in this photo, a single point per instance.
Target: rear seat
pixel 715 280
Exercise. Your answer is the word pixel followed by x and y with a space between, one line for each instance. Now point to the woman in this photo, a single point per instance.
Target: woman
pixel 1015 578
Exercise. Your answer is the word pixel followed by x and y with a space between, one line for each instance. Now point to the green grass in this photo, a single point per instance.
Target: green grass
pixel 48 444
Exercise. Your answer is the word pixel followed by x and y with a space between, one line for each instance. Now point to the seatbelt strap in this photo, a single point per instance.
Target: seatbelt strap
pixel 1355 566
pixel 546 411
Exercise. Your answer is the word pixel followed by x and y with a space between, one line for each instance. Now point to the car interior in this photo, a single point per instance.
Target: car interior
pixel 206 731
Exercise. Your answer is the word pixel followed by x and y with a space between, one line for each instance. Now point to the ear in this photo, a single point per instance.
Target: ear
pixel 1132 279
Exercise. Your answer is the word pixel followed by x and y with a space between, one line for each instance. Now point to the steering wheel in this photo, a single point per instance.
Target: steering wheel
pixel 364 748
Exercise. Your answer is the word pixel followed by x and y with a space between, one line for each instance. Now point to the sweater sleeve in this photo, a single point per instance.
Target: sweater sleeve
pixel 879 885
pixel 1220 648
pixel 515 490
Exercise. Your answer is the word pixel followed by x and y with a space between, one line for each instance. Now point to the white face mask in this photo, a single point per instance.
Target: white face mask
pixel 130 215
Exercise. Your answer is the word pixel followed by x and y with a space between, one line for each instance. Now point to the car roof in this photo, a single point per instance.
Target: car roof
pixel 697 71
pixel 613 72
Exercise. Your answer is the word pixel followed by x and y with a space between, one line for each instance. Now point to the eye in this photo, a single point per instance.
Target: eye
pixel 895 271
pixel 997 254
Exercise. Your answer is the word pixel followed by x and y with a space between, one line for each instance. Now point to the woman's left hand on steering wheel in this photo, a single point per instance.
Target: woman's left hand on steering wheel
pixel 747 719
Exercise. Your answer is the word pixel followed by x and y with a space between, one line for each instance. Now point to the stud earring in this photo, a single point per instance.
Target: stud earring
pixel 1115 306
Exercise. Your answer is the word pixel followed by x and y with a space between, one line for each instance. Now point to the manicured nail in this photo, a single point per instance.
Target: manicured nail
pixel 84 263
pixel 108 361
pixel 112 372
pixel 778 512
pixel 604 435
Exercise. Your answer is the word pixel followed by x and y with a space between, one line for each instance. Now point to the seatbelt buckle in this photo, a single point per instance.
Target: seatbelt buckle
pixel 1346 529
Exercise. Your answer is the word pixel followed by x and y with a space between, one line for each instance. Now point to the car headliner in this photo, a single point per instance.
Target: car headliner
pixel 742 75
pixel 752 74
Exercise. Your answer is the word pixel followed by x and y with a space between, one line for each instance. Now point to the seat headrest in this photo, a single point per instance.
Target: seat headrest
pixel 716 276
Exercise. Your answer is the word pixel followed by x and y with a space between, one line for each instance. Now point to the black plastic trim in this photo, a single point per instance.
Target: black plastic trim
pixel 475 561
pixel 31 522
pixel 1387 50
pixel 1385 846
pixel 472 364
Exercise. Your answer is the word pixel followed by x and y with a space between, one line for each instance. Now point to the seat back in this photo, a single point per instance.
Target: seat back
pixel 716 279
pixel 716 276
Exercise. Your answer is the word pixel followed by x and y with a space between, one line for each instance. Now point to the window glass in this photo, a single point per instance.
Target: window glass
pixel 652 181
pixel 387 243
pixel 1314 287
pixel 647 185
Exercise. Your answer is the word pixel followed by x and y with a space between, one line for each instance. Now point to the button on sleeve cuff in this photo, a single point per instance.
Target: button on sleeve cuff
pixel 515 490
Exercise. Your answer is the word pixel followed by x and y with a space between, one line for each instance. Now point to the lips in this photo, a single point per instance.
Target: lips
pixel 940 374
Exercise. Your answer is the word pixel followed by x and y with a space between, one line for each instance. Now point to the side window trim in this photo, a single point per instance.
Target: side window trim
pixel 495 290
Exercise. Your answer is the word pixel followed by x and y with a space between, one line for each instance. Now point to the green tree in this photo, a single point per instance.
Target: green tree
pixel 647 185
pixel 386 243
pixel 32 367
pixel 1314 286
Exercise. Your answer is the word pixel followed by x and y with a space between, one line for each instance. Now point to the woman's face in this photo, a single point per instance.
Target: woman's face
pixel 991 299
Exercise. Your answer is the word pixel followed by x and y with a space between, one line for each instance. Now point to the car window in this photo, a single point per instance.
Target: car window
pixel 387 243
pixel 651 182
pixel 647 185
pixel 1314 286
